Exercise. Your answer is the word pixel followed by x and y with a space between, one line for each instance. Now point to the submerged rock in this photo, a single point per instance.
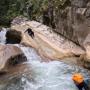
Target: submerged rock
pixel 13 37
pixel 10 56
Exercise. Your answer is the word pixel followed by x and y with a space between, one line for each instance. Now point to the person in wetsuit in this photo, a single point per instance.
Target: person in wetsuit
pixel 82 86
pixel 79 82
pixel 30 32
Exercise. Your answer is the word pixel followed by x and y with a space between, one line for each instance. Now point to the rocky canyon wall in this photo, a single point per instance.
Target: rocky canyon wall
pixel 73 21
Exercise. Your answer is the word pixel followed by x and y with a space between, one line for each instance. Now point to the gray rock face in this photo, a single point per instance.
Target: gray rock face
pixel 74 21
pixel 79 3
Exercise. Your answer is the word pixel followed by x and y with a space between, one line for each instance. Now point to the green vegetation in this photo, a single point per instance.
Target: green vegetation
pixel 33 9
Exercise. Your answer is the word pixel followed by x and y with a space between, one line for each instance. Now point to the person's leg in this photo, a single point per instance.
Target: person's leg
pixel 79 87
pixel 85 86
pixel 32 34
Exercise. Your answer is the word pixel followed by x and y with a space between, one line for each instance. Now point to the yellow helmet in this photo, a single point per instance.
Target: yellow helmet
pixel 78 78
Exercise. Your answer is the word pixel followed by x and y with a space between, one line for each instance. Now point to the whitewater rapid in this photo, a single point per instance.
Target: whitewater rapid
pixel 53 75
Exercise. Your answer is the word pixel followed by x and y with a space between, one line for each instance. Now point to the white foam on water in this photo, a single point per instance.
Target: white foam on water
pixel 53 75
pixel 30 53
pixel 2 36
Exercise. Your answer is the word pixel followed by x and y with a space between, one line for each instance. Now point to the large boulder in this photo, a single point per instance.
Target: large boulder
pixel 73 21
pixel 10 56
pixel 13 37
pixel 46 42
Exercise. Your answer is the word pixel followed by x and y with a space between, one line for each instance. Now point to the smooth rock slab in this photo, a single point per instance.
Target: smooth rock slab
pixel 10 56
pixel 46 42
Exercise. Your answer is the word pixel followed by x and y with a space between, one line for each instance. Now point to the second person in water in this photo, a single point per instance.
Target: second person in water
pixel 79 82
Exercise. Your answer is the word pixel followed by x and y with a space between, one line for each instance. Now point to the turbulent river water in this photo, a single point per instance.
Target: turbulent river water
pixel 53 75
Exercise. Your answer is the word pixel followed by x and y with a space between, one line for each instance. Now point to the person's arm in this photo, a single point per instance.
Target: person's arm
pixel 86 86
pixel 26 30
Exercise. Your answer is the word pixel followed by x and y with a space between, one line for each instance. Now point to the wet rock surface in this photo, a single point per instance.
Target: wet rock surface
pixel 13 37
pixel 10 56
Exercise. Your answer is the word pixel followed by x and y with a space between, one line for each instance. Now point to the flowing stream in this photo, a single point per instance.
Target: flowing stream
pixel 53 75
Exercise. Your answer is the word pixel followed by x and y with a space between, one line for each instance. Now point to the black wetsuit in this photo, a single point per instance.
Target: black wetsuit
pixel 83 86
pixel 30 32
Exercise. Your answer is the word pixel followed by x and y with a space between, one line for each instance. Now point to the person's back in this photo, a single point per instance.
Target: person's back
pixel 30 32
pixel 82 86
